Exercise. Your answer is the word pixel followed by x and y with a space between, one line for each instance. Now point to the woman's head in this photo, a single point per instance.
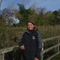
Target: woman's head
pixel 31 25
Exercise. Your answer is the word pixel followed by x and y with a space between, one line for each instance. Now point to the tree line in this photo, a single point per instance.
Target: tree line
pixel 39 15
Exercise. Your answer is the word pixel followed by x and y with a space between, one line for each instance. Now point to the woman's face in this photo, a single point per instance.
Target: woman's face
pixel 30 26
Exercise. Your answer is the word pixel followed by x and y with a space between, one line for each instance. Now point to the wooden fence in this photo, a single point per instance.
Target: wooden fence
pixel 50 48
pixel 57 45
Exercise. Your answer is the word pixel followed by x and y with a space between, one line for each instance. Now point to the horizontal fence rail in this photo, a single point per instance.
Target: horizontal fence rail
pixel 6 50
pixel 50 48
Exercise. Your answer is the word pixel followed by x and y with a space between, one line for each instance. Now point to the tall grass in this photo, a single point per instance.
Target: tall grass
pixel 49 31
pixel 10 36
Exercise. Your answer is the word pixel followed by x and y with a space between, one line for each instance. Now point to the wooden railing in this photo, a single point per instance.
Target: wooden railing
pixel 6 50
pixel 50 48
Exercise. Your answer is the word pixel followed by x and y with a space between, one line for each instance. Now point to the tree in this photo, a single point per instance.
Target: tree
pixel 58 17
pixel 52 19
pixel 8 14
pixel 41 12
pixel 2 21
pixel 24 14
pixel 56 14
pixel 49 18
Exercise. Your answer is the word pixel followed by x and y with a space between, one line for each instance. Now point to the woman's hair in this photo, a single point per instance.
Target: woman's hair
pixel 32 23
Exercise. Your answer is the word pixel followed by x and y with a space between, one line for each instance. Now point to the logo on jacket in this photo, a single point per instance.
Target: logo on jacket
pixel 33 37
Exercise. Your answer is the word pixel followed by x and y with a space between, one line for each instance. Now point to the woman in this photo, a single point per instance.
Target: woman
pixel 31 42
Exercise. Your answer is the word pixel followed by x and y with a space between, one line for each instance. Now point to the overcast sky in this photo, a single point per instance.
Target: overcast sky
pixel 48 4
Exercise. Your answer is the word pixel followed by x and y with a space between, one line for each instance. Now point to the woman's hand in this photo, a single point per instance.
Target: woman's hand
pixel 22 47
pixel 36 58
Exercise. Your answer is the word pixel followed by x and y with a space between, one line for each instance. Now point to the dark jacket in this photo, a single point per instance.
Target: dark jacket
pixel 33 44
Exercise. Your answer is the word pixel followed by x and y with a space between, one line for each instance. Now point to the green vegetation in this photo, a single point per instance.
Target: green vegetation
pixel 10 35
pixel 48 24
pixel 56 57
pixel 39 15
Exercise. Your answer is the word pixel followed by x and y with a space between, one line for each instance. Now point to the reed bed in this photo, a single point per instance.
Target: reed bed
pixel 10 35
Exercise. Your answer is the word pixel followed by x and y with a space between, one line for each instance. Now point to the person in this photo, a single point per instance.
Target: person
pixel 31 42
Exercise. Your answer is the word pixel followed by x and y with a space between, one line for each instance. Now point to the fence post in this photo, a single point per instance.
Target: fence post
pixel 42 51
pixel 1 56
pixel 58 43
pixel 41 56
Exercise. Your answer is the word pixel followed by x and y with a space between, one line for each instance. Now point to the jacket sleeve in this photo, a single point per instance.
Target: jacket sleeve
pixel 21 41
pixel 39 47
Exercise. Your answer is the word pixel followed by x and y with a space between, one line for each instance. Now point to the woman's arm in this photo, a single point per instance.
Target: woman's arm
pixel 21 43
pixel 39 48
pixel 39 40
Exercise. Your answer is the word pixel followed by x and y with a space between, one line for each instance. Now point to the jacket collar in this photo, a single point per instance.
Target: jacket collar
pixel 30 31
